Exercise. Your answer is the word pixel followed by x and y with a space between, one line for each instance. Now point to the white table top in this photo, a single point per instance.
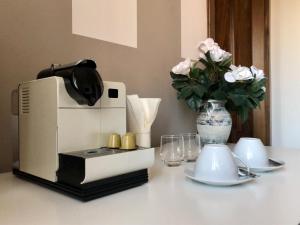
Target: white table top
pixel 169 198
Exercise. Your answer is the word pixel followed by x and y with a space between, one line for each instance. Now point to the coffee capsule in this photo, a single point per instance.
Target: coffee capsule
pixel 114 141
pixel 128 141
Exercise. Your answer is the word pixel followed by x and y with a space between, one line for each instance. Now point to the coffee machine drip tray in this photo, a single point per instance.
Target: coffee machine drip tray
pixel 90 174
pixel 92 190
pixel 81 167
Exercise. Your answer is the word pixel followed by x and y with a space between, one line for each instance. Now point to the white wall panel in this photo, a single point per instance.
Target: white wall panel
pixel 285 73
pixel 193 26
pixel 108 20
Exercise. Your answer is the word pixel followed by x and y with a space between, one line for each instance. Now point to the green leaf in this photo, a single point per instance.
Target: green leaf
pixel 194 103
pixel 219 94
pixel 199 90
pixel 185 92
pixel 227 62
pixel 179 77
pixel 209 60
pixel 243 113
pixel 237 99
pixel 262 97
pixel 251 103
pixel 178 84
pixel 255 101
pixel 204 79
pixel 204 62
pixel 259 93
pixel 195 73
pixel 256 85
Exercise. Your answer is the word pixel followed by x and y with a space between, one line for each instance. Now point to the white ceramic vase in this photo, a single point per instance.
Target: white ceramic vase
pixel 214 123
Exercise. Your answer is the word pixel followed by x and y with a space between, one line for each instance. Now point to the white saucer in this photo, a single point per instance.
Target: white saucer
pixel 273 165
pixel 242 179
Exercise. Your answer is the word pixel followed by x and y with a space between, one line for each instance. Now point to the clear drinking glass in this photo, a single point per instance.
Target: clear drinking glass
pixel 171 149
pixel 192 146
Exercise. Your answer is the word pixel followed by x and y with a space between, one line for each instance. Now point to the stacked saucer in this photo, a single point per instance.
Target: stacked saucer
pixel 217 165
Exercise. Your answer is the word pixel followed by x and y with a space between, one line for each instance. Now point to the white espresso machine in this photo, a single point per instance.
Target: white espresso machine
pixel 65 119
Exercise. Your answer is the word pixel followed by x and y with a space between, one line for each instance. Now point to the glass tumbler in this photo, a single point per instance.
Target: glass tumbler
pixel 192 146
pixel 171 149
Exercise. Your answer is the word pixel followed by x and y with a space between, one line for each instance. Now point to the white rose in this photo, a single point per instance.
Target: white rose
pixel 183 67
pixel 207 45
pixel 264 88
pixel 226 55
pixel 228 76
pixel 259 74
pixel 233 67
pixel 238 74
pixel 243 73
pixel 217 54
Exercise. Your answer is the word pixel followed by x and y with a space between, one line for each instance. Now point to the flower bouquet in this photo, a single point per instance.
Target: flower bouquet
pixel 212 76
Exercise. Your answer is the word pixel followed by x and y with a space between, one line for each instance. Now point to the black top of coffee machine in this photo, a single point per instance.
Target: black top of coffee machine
pixel 82 81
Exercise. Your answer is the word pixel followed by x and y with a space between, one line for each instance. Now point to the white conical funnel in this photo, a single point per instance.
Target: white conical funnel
pixel 141 115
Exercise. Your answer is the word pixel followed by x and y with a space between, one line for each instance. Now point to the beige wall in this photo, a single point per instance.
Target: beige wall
pixel 36 33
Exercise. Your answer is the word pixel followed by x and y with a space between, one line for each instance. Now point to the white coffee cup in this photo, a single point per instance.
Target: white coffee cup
pixel 216 163
pixel 251 151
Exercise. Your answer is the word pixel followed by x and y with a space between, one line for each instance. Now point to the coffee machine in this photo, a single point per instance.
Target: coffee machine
pixel 65 118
